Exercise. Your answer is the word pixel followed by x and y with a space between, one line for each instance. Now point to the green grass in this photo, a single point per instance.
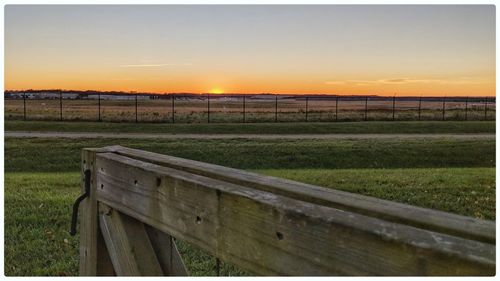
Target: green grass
pixel 385 127
pixel 465 191
pixel 42 180
pixel 37 219
pixel 37 222
pixel 38 206
pixel 53 155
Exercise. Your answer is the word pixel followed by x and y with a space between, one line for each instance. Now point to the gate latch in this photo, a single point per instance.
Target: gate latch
pixel 78 200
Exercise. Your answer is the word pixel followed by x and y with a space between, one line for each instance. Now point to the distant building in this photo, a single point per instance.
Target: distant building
pixel 117 97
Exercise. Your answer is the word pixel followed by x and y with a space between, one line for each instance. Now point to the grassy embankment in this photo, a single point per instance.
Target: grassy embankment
pixel 387 127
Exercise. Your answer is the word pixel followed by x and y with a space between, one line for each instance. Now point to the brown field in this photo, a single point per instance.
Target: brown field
pixel 195 110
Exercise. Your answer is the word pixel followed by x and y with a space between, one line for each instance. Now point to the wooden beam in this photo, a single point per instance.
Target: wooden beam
pixel 167 253
pixel 128 244
pixel 272 234
pixel 94 259
pixel 433 220
pixel 104 264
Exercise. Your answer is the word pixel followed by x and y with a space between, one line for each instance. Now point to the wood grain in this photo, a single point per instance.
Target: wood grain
pixel 94 258
pixel 456 225
pixel 128 244
pixel 167 253
pixel 270 233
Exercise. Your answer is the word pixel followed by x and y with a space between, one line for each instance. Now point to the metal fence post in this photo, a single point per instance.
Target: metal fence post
pixel 99 106
pixel 173 108
pixel 485 107
pixel 60 106
pixel 419 107
pixel 307 107
pixel 276 105
pixel 393 107
pixel 208 107
pixel 244 105
pixel 276 108
pixel 444 107
pixel 24 109
pixel 336 108
pixel 466 107
pixel 366 108
pixel 136 108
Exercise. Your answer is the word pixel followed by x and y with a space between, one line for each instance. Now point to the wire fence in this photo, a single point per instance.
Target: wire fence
pixel 216 108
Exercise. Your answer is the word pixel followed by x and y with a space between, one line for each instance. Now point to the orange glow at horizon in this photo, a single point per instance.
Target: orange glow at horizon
pixel 383 50
pixel 139 83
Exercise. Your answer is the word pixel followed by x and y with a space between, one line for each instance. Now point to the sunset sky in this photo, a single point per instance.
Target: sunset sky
pixel 383 50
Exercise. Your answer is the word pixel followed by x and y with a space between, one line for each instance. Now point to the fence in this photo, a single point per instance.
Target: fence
pixel 188 108
pixel 137 201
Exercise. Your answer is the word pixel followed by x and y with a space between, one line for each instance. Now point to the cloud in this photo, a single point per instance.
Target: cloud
pixel 139 79
pixel 123 79
pixel 156 65
pixel 335 82
pixel 406 80
pixel 458 80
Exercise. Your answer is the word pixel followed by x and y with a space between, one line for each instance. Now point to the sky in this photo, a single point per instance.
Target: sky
pixel 429 50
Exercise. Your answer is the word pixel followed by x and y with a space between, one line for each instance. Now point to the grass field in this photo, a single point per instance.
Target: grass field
pixel 472 188
pixel 42 180
pixel 379 127
pixel 52 155
pixel 256 109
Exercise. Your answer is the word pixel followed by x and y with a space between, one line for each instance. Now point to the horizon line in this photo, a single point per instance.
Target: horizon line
pixel 252 93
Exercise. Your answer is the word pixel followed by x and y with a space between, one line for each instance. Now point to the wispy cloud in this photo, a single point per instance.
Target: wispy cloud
pixel 156 65
pixel 336 82
pixel 459 80
pixel 139 79
pixel 407 80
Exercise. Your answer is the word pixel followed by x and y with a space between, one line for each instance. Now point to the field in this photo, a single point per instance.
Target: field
pixel 255 108
pixel 376 127
pixel 42 180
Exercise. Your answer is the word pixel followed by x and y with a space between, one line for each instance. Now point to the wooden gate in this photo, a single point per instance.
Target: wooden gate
pixel 265 225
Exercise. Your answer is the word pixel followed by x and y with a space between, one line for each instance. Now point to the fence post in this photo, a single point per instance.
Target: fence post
pixel 99 106
pixel 136 108
pixel 444 106
pixel 466 107
pixel 419 107
pixel 208 107
pixel 307 107
pixel 485 107
pixel 244 117
pixel 366 108
pixel 217 266
pixel 393 107
pixel 173 107
pixel 276 108
pixel 24 102
pixel 336 108
pixel 60 106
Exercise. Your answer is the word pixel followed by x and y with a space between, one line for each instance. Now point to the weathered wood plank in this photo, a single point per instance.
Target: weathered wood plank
pixel 128 244
pixel 94 259
pixel 104 264
pixel 466 227
pixel 272 234
pixel 167 253
pixel 88 219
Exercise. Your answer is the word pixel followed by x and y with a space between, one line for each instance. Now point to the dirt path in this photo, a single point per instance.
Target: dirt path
pixel 89 135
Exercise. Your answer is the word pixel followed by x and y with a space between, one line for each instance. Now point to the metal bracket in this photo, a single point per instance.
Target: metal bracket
pixel 78 200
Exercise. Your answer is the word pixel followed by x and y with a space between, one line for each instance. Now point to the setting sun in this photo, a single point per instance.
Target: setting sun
pixel 216 91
